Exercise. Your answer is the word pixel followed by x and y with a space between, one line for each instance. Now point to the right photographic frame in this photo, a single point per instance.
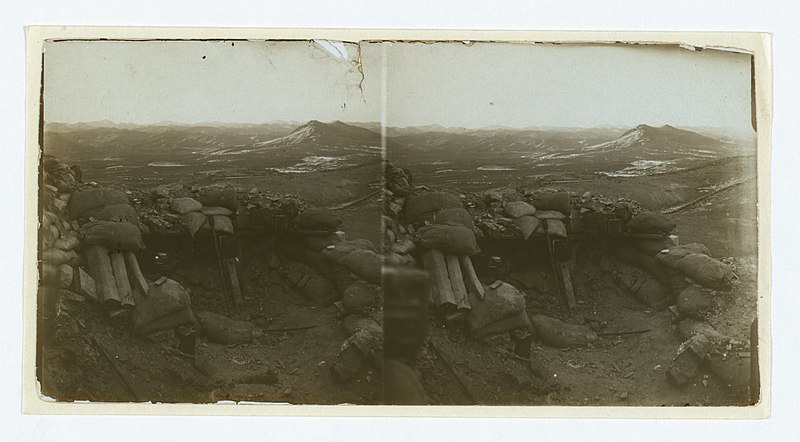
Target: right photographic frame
pixel 588 219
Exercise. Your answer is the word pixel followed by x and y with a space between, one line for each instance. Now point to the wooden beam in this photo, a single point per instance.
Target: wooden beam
pixel 569 292
pixel 471 279
pixel 442 289
pixel 457 282
pixel 101 271
pixel 121 279
pixel 233 279
pixel 135 273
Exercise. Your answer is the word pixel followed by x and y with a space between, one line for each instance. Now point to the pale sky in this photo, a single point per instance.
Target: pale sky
pixel 451 84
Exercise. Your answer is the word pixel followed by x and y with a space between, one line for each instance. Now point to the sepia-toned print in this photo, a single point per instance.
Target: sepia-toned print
pixel 398 222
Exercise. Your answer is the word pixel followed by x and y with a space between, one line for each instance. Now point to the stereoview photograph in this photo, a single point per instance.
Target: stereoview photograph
pixel 397 222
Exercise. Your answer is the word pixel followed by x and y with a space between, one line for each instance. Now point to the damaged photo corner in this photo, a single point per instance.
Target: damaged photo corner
pixel 450 223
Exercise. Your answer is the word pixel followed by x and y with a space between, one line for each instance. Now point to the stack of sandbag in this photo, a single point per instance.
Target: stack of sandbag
pixel 694 261
pixel 445 237
pixel 59 242
pixel 212 208
pixel 110 236
pixel 599 214
pixel 398 240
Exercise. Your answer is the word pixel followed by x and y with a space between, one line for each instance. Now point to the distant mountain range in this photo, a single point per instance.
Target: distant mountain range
pixel 315 145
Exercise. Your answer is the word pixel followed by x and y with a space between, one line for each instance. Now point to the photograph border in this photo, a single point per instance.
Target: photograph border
pixel 756 44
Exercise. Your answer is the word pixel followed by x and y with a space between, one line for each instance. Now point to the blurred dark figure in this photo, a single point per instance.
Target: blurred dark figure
pixel 405 327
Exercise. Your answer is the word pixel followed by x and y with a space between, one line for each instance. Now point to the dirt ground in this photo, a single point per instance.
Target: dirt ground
pixel 86 358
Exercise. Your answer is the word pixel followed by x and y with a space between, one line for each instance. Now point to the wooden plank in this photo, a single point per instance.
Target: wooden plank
pixel 233 279
pixel 101 271
pixel 441 288
pixel 457 282
pixel 569 292
pixel 473 284
pixel 135 273
pixel 121 279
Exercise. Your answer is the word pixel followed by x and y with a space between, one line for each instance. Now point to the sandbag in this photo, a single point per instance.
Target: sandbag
pixel 644 288
pixel 360 297
pixel 114 236
pixel 161 300
pixel 549 214
pixel 337 252
pixel 185 205
pixel 121 213
pixel 65 275
pixel 216 210
pixel 516 209
pixel 458 240
pixel 558 201
pixel 224 330
pixel 56 257
pixel 392 259
pixel 706 270
pixel 674 254
pixel 311 284
pixel 427 203
pixel 518 320
pixel 220 196
pixel 652 247
pixel 85 200
pixel 556 228
pixel 650 222
pixel 497 304
pixel 559 334
pixel 193 221
pixel 317 218
pixel 527 225
pixel 366 264
pixel 317 243
pixel 695 302
pixel 450 216
pixel 221 224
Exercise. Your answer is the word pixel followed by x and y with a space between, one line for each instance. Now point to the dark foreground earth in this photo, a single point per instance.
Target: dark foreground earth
pixel 711 199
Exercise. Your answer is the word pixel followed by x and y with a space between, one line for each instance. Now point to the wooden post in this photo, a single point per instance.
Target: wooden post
pixel 442 289
pixel 457 282
pixel 472 282
pixel 233 277
pixel 568 290
pixel 121 279
pixel 100 269
pixel 136 273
